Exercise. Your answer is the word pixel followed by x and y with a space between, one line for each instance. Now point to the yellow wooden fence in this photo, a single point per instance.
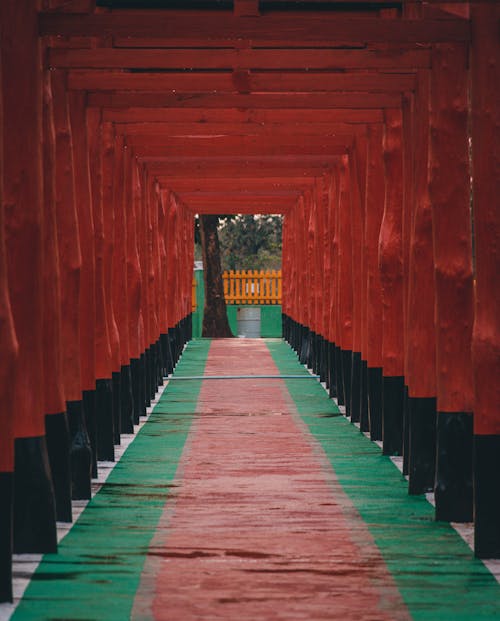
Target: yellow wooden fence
pixel 252 286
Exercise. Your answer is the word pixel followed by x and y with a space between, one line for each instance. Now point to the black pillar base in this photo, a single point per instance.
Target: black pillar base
pixel 80 452
pixel 339 381
pixel 6 500
pixel 135 373
pixel 374 385
pixel 169 354
pixel 34 518
pixel 346 356
pixel 126 402
pixel 89 406
pixel 364 421
pixel 173 346
pixel 392 415
pixel 332 378
pixel 116 380
pixel 454 456
pixel 486 496
pixel 57 438
pixel 422 444
pixel 355 403
pixel 406 432
pixel 105 422
pixel 166 354
pixel 147 376
pixel 305 346
pixel 143 383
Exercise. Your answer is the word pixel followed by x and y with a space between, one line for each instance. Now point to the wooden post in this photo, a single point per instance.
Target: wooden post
pixel 70 260
pixel 56 421
pixel 34 508
pixel 391 277
pixel 420 363
pixel 103 398
pixel 345 285
pixel 357 217
pixel 134 283
pixel 8 345
pixel 375 192
pixel 485 66
pixel 449 190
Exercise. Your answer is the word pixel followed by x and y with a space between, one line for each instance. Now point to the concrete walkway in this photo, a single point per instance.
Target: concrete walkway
pixel 254 499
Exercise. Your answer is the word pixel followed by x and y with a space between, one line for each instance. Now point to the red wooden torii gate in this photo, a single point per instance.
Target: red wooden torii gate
pixel 369 125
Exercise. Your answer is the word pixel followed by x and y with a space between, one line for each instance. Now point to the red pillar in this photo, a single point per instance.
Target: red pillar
pixel 134 285
pixel 34 531
pixel 122 381
pixel 103 399
pixel 10 347
pixel 56 422
pixel 485 66
pixel 357 219
pixel 449 189
pixel 375 192
pixel 391 277
pixel 345 280
pixel 70 261
pixel 420 362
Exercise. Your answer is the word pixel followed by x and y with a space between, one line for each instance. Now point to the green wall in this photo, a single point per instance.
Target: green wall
pixel 270 314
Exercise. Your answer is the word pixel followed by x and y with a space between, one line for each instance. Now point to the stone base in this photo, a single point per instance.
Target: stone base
pixel 454 457
pixel 422 444
pixel 34 504
pixel 392 414
pixel 57 438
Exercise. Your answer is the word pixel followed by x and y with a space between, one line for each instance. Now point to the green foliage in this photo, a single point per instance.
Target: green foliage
pixel 250 242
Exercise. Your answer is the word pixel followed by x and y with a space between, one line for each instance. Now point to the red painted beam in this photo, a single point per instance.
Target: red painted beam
pixel 221 167
pixel 276 59
pixel 198 129
pixel 244 82
pixel 145 114
pixel 131 99
pixel 235 184
pixel 278 28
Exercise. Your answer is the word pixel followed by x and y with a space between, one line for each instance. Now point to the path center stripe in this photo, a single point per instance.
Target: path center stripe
pixel 97 570
pixel 432 566
pixel 259 524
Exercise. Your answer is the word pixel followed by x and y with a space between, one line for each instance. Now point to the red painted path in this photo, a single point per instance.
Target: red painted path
pixel 259 528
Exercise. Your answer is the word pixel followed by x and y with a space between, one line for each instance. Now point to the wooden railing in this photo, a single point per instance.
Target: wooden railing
pixel 252 286
pixel 193 295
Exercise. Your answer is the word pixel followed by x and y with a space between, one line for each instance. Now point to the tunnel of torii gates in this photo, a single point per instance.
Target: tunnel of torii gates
pixel 372 127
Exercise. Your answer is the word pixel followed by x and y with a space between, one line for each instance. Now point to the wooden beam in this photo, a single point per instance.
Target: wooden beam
pixel 240 145
pixel 275 82
pixel 207 149
pixel 235 184
pixel 270 59
pixel 223 167
pixel 128 99
pixel 237 115
pixel 279 29
pixel 188 130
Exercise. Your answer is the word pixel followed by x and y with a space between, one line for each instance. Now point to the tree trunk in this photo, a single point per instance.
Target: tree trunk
pixel 215 322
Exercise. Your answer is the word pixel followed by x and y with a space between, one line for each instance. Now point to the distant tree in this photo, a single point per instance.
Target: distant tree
pixel 215 322
pixel 233 242
pixel 250 242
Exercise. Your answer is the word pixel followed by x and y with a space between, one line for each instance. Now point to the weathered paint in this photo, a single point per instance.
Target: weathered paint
pixel 68 235
pixel 106 548
pixel 22 203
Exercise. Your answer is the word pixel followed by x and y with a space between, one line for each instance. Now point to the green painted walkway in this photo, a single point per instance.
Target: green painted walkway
pixel 97 571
